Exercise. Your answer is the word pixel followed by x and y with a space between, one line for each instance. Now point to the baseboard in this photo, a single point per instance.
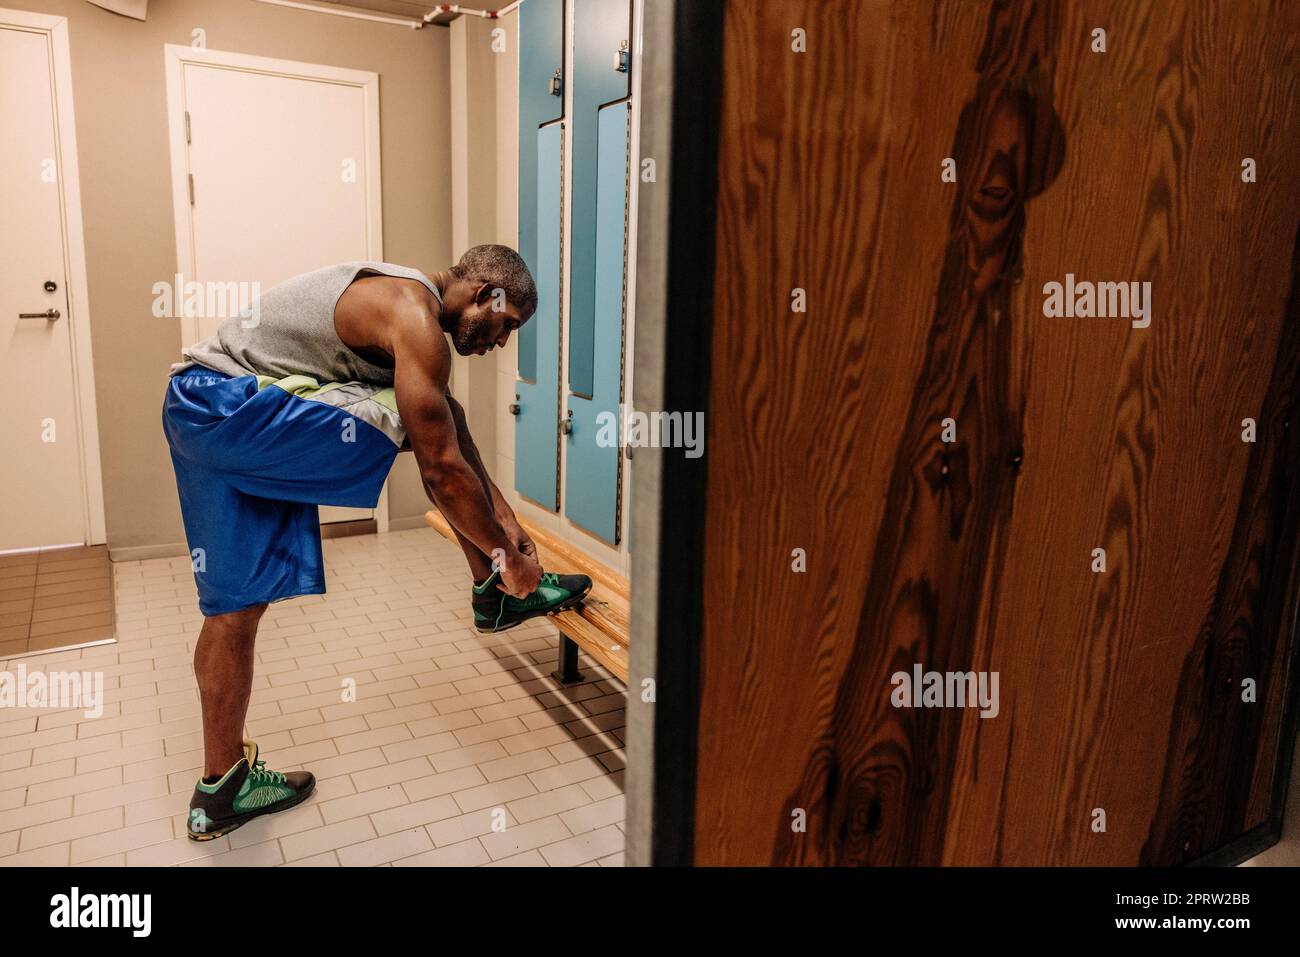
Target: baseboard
pixel 405 524
pixel 362 526
pixel 139 553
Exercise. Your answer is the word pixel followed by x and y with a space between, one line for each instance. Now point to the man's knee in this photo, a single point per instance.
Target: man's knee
pixel 242 621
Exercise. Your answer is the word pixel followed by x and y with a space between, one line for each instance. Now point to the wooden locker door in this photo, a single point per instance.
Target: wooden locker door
pixel 1150 696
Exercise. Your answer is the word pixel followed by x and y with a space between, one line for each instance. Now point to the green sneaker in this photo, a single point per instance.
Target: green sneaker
pixel 494 610
pixel 246 791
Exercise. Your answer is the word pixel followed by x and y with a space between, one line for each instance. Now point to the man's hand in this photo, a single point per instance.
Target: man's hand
pixel 518 537
pixel 520 574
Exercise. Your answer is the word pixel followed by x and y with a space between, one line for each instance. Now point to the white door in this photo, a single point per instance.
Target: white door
pixel 282 161
pixel 42 485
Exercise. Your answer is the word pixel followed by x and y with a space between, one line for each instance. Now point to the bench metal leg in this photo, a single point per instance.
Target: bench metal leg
pixel 566 672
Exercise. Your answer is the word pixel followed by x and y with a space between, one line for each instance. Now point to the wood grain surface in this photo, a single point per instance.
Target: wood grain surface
pixel 1120 690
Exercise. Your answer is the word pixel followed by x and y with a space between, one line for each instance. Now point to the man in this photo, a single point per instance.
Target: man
pixel 306 400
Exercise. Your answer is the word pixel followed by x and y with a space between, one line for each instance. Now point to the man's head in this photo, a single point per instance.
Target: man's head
pixel 490 294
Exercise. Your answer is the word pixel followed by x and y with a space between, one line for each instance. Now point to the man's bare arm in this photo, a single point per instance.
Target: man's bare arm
pixel 504 512
pixel 469 450
pixel 422 366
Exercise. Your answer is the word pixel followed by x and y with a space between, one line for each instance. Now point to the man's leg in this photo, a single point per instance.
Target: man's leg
pixel 223 665
pixel 236 786
pixel 248 493
pixel 480 565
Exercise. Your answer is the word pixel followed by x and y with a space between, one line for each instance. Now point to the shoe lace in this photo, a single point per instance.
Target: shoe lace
pixel 548 578
pixel 261 775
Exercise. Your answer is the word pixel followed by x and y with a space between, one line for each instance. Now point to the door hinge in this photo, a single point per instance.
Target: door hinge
pixel 191 179
pixel 187 126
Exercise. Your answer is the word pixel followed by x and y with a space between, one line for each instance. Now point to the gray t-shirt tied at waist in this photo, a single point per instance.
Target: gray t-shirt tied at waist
pixel 289 330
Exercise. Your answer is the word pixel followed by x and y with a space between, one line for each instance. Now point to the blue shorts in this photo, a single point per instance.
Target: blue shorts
pixel 254 456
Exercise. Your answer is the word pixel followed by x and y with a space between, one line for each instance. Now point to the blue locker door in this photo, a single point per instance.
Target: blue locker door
pixel 592 470
pixel 541 57
pixel 600 28
pixel 537 441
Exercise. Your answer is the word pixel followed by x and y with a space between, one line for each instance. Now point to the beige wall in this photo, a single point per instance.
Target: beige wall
pixel 120 94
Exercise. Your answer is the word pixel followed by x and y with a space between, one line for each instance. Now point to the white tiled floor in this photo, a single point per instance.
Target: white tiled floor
pixel 450 730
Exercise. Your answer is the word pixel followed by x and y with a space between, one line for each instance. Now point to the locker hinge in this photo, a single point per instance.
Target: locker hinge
pixel 191 181
pixel 187 126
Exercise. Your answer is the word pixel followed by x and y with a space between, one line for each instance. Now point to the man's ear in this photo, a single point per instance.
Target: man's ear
pixel 483 292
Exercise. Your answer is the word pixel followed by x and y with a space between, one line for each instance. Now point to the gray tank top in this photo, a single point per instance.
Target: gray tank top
pixel 291 331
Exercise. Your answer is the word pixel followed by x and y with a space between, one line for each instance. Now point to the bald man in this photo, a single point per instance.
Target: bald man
pixel 305 400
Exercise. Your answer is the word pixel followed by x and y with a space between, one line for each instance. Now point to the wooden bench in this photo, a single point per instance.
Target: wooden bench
pixel 599 626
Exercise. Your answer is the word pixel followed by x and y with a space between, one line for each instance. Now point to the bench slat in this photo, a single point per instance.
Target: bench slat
pixel 604 649
pixel 568 557
pixel 606 616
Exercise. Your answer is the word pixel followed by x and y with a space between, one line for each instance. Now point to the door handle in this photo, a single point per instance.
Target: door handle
pixel 50 314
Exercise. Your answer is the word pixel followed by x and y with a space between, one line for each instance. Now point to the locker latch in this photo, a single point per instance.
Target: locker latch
pixel 514 406
pixel 621 57
pixel 566 426
pixel 556 85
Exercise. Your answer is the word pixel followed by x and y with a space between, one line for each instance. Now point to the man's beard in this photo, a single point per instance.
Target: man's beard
pixel 468 336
